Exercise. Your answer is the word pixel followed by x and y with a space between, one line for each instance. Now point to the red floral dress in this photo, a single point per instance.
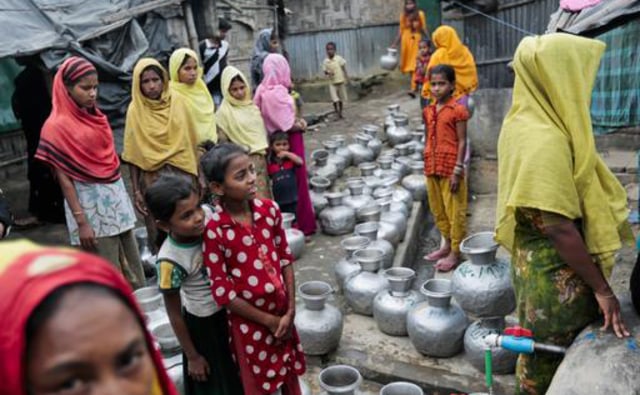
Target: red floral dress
pixel 246 262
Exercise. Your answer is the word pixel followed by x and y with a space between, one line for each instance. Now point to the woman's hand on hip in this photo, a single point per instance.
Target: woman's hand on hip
pixel 610 307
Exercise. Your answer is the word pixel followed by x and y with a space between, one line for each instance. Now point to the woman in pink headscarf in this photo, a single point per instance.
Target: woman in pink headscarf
pixel 279 113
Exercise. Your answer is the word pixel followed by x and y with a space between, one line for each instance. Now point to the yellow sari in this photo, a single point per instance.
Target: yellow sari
pixel 451 51
pixel 197 96
pixel 409 40
pixel 158 132
pixel 546 150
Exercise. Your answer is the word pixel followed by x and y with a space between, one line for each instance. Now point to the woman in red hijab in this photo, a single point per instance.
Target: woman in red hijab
pixel 77 143
pixel 74 327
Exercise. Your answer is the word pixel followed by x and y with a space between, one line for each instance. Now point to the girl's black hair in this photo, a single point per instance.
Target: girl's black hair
pixel 51 304
pixel 237 77
pixel 155 68
pixel 215 161
pixel 162 197
pixel 275 136
pixel 186 58
pixel 444 69
pixel 164 194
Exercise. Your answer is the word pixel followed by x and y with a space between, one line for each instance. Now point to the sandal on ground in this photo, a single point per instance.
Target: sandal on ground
pixel 437 254
pixel 447 264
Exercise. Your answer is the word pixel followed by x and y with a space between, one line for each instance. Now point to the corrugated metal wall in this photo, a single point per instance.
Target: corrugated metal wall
pixel 493 44
pixel 360 47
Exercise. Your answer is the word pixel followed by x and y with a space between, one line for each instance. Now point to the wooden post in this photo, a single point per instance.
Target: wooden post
pixel 191 26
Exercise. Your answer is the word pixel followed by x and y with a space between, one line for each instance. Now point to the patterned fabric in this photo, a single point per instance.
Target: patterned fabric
pixel 449 209
pixel 246 262
pixel 107 207
pixel 551 299
pixel 180 268
pixel 441 151
pixel 616 92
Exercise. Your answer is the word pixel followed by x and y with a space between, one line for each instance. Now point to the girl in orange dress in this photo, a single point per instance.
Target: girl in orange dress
pixel 413 25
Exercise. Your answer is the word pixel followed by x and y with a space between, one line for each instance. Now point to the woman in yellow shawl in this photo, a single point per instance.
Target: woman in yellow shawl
pixel 240 122
pixel 451 51
pixel 561 212
pixel 186 71
pixel 413 25
pixel 158 136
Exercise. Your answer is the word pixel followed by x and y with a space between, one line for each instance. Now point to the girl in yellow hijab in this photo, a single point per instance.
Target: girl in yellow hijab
pixel 240 122
pixel 561 212
pixel 451 51
pixel 159 136
pixel 186 71
pixel 413 26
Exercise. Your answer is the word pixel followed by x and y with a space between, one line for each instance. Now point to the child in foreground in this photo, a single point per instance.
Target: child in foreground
pixel 249 261
pixel 198 322
pixel 446 127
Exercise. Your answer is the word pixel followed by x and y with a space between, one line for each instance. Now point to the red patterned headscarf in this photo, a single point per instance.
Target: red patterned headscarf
pixel 74 140
pixel 28 274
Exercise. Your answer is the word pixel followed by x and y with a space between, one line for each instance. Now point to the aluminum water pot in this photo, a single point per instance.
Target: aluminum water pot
pixel 337 219
pixel 340 380
pixel 367 169
pixel 175 371
pixel 389 61
pixel 319 186
pixel 415 182
pixel 149 298
pixel 482 285
pixel 386 231
pixel 357 199
pixel 340 162
pixel 370 231
pixel 400 133
pixel 398 220
pixel 436 327
pixel 375 144
pixel 347 266
pixel 304 387
pixel 401 388
pixel 361 153
pixel 400 194
pixel 385 164
pixel 342 149
pixel 295 238
pixel 361 289
pixel 502 361
pixel 394 206
pixel 392 111
pixel 321 166
pixel 167 339
pixel 417 139
pixel 391 306
pixel 319 324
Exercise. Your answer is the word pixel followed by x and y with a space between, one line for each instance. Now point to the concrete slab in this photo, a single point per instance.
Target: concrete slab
pixel 619 161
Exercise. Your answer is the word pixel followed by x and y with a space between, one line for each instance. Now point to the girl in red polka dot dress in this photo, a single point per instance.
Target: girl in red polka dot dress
pixel 249 262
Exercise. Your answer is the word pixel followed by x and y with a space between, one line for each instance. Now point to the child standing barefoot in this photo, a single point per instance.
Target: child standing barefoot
pixel 446 124
pixel 246 252
pixel 335 67
pixel 199 324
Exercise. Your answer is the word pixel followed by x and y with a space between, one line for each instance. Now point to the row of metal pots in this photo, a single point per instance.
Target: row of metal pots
pixel 438 328
pixel 346 380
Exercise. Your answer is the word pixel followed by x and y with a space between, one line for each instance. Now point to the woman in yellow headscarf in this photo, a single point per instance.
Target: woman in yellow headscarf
pixel 240 122
pixel 186 71
pixel 413 25
pixel 451 51
pixel 560 212
pixel 159 136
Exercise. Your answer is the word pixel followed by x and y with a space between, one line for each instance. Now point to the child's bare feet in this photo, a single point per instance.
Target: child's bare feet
pixel 449 263
pixel 438 254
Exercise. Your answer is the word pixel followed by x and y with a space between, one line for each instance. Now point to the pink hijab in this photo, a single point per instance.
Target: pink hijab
pixel 272 96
